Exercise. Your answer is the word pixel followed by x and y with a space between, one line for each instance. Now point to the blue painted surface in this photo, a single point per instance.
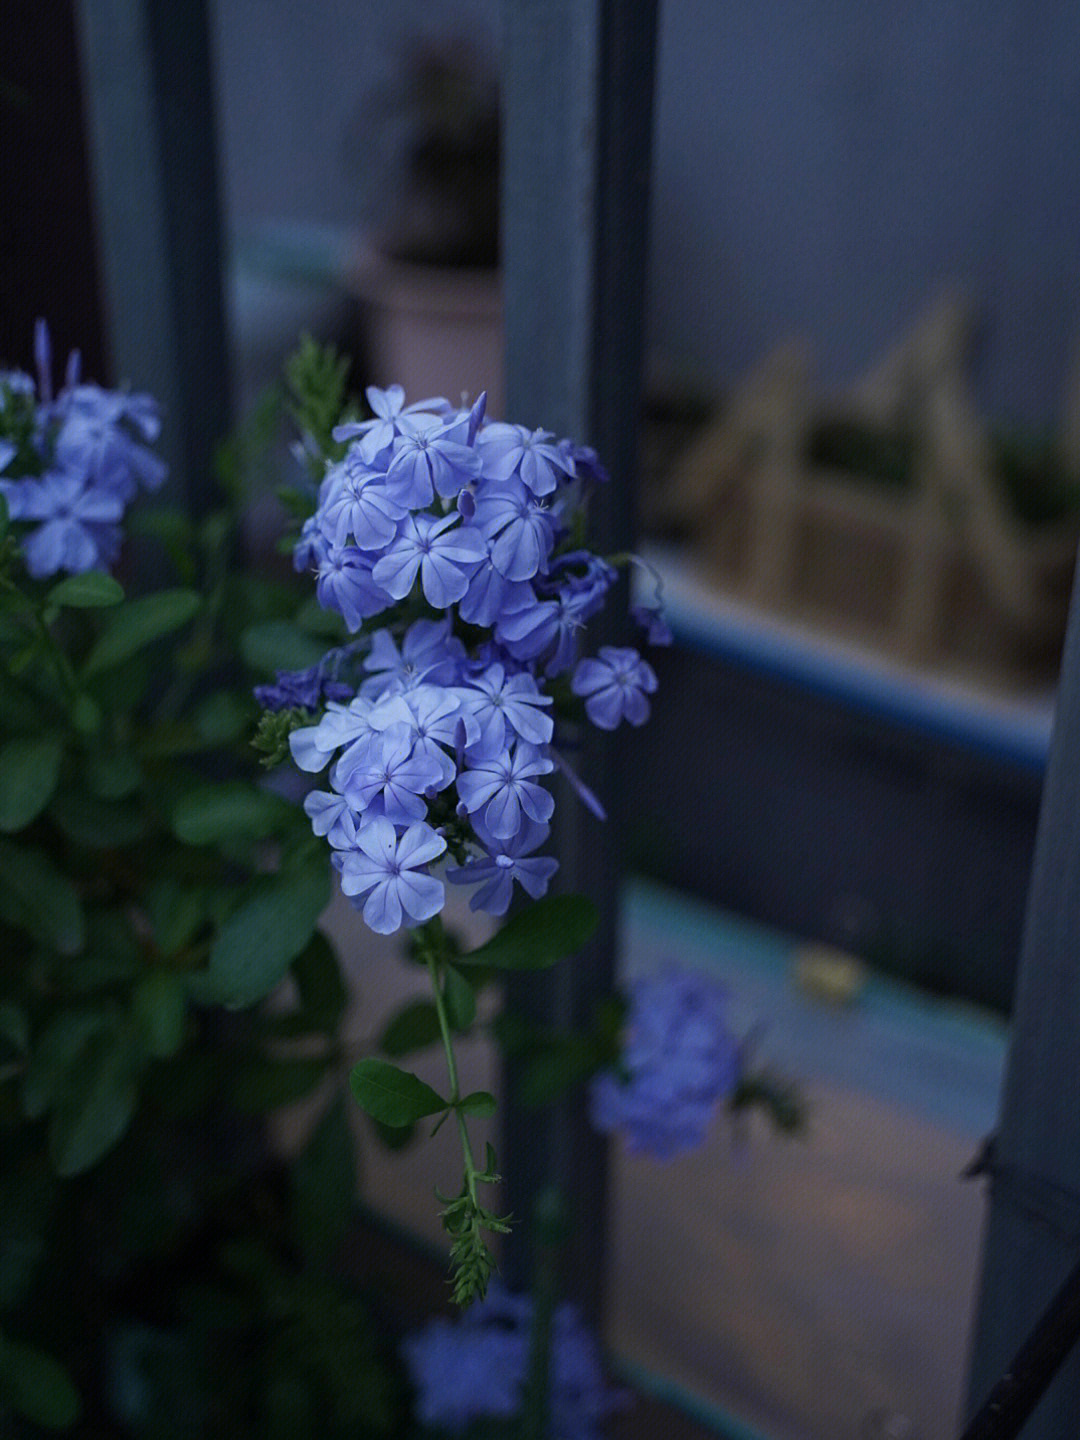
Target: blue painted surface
pixel 938 1060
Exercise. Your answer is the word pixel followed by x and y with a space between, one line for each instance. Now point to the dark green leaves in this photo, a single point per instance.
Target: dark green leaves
pixel 90 591
pixel 280 645
pixel 547 931
pixel 324 1184
pixel 255 946
pixel 29 772
pixel 140 623
pixel 36 1386
pixel 392 1096
pixel 414 1027
pixel 209 814
pixel 159 1005
pixel 37 898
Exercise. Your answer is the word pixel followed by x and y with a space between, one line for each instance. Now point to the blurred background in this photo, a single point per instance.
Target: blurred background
pixel 860 484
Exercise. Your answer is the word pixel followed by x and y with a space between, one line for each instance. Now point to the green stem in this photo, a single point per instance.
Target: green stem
pixel 434 959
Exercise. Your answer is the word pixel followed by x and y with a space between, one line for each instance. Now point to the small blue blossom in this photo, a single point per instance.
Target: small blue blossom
pixel 444 558
pixel 301 689
pixel 509 450
pixel 503 862
pixel 615 686
pixel 389 777
pixel 391 872
pixel 387 408
pixel 505 787
pixel 679 1061
pixel 475 1368
pixel 346 584
pixel 77 526
pixel 71 463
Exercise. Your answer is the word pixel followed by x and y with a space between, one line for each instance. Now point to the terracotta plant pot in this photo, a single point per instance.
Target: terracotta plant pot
pixel 436 330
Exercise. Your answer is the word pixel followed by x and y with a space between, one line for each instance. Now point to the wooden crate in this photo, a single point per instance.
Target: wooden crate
pixel 938 571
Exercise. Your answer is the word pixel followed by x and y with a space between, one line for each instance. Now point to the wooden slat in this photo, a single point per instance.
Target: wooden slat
pixel 578 93
pixel 1033 1236
pixel 149 99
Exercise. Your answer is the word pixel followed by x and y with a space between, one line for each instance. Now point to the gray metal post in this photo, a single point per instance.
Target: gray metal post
pixel 578 112
pixel 150 121
pixel 1033 1234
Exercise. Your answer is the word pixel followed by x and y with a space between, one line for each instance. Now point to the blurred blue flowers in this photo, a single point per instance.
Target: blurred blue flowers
pixel 680 1060
pixel 475 1368
pixel 70 465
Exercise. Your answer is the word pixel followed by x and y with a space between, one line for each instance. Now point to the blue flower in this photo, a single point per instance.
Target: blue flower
pixel 503 862
pixel 346 584
pixel 679 1060
pixel 358 504
pixel 387 408
pixel 508 450
pixel 78 524
pixel 389 776
pixel 475 1368
pixel 504 787
pixel 506 706
pixel 390 871
pixel 301 689
pixel 615 686
pixel 522 530
pixel 428 457
pixel 445 559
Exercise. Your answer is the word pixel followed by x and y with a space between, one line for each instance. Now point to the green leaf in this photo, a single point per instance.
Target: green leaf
pixel 460 999
pixel 98 824
pixel 95 1110
pixel 542 934
pixel 324 1184
pixel 478 1103
pixel 159 1005
pixel 138 624
pixel 393 1096
pixel 276 645
pixel 210 814
pixel 56 1053
pixel 225 717
pixel 89 591
pixel 29 772
pixel 14 1027
pixel 37 1386
pixel 323 995
pixel 555 1070
pixel 176 913
pixel 35 896
pixel 112 776
pixel 263 936
pixel 265 1084
pixel 27 1203
pixel 414 1027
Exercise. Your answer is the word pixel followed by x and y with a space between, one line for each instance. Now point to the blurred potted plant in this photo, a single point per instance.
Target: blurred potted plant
pixel 426 273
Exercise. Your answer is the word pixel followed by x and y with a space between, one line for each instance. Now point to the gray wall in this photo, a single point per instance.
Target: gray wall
pixel 820 167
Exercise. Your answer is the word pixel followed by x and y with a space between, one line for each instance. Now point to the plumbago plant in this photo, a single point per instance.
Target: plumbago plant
pixel 150 896
pixel 453 551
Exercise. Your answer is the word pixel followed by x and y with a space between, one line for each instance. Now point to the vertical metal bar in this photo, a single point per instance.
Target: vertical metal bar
pixel 1033 1233
pixel 150 113
pixel 578 107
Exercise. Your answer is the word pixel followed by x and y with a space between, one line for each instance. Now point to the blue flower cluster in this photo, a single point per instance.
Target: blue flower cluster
pixel 70 464
pixel 475 1368
pixel 446 740
pixel 679 1060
